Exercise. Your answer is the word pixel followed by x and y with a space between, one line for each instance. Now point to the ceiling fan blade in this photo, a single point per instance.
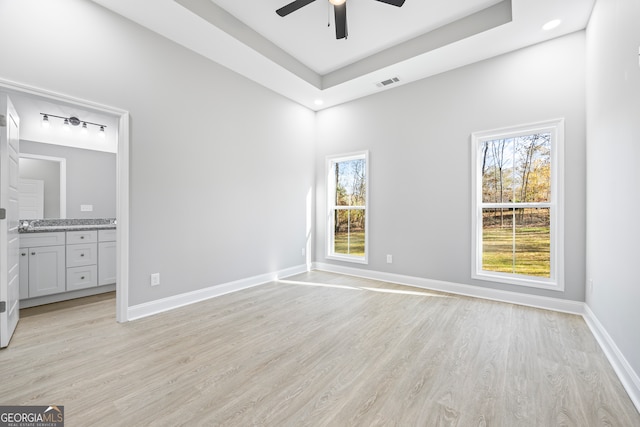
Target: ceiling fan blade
pixel 340 13
pixel 393 2
pixel 292 7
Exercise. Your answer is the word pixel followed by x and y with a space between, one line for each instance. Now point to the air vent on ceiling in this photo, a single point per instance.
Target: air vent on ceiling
pixel 388 82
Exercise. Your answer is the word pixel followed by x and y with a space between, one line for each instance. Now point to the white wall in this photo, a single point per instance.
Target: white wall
pixel 219 166
pixel 613 159
pixel 419 141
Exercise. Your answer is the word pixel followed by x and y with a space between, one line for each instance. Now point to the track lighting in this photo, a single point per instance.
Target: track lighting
pixel 68 122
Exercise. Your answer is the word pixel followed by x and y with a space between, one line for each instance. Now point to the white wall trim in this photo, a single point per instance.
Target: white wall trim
pixel 628 377
pixel 169 303
pixel 122 190
pixel 547 303
pixel 122 216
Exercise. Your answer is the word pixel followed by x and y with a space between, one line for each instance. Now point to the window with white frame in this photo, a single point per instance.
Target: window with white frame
pixel 347 202
pixel 518 205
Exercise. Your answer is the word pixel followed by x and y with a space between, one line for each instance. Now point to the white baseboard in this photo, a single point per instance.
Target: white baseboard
pixel 555 304
pixel 628 377
pixel 169 303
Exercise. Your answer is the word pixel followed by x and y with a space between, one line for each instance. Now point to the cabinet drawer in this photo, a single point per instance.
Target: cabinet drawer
pixel 79 255
pixel 82 277
pixel 31 240
pixel 106 235
pixel 86 236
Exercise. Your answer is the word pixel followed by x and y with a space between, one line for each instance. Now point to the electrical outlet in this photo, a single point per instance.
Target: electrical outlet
pixel 155 279
pixel 86 208
pixel 389 259
pixel 303 252
pixel 590 286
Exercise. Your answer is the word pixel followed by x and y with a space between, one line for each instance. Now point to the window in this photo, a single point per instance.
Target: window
pixel 517 205
pixel 347 217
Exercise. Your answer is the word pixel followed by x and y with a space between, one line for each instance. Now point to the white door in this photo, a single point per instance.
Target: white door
pixel 31 198
pixel 9 239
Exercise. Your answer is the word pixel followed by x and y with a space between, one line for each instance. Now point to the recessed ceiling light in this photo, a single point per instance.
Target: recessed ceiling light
pixel 318 102
pixel 551 24
pixel 337 2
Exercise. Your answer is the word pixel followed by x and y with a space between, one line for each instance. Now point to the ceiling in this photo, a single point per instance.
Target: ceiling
pixel 373 26
pixel 29 107
pixel 299 57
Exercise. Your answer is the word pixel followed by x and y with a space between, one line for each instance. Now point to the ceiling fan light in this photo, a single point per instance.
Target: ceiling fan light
pixel 337 2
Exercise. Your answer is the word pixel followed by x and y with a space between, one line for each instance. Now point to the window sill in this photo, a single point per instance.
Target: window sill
pixel 526 281
pixel 347 258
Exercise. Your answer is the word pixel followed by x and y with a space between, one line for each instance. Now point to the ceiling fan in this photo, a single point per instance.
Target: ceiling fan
pixel 339 9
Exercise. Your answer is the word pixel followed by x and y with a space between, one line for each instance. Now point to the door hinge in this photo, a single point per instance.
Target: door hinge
pixel 3 306
pixel 3 213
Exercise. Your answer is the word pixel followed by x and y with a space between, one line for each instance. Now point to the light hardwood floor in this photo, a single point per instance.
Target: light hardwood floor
pixel 317 349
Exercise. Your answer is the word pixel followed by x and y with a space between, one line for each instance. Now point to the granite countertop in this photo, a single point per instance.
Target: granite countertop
pixel 51 225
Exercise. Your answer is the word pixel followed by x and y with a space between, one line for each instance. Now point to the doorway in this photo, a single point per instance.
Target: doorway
pixel 121 132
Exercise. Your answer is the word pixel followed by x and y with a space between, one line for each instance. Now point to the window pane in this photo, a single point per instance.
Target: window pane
pixel 532 242
pixel 497 170
pixel 497 240
pixel 350 183
pixel 532 171
pixel 349 232
pixel 517 241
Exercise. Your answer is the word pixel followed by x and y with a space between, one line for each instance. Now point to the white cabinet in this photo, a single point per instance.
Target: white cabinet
pixel 82 277
pixel 42 264
pixel 106 257
pixel 57 262
pixel 80 255
pixel 82 259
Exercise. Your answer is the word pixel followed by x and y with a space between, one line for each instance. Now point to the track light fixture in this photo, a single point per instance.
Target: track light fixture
pixel 72 121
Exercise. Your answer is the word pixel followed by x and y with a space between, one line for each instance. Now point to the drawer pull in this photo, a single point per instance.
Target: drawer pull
pixel 81 254
pixel 23 254
pixel 82 278
pixel 82 237
pixel 33 253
